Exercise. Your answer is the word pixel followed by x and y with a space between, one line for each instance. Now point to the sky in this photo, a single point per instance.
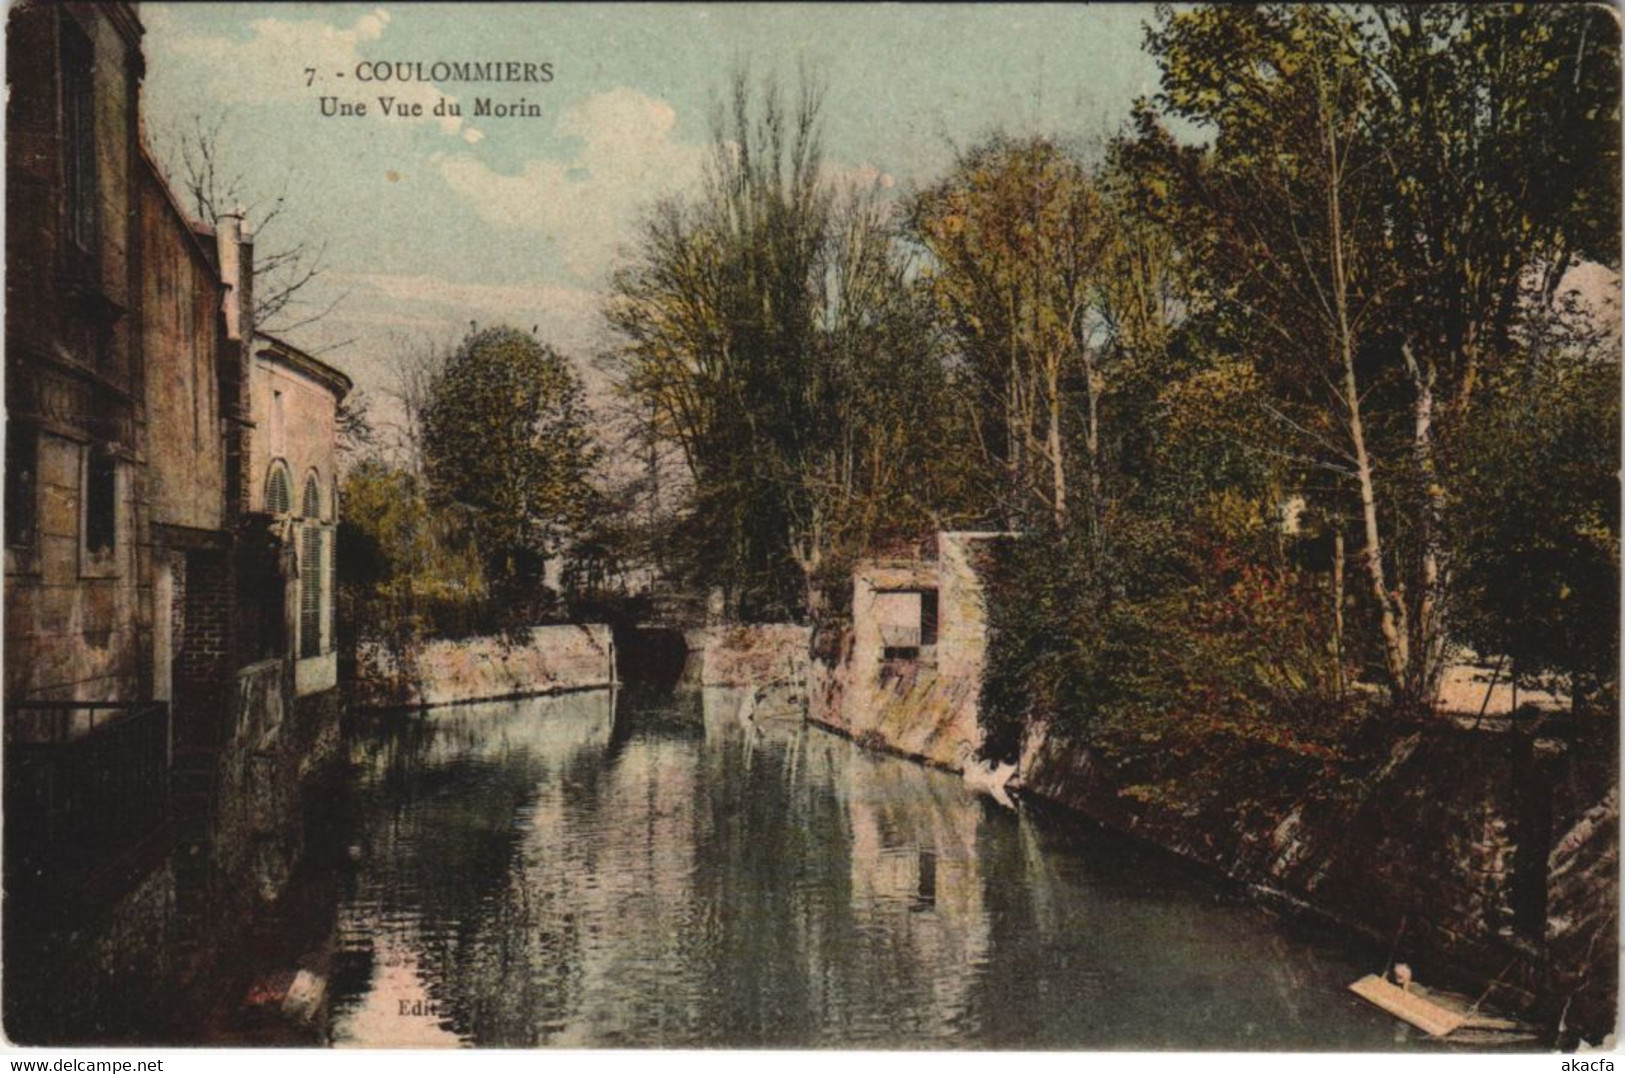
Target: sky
pixel 431 223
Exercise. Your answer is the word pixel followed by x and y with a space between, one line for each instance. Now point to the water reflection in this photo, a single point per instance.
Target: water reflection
pixel 705 869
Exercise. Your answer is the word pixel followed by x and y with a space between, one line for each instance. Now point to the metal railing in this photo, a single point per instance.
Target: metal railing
pixel 85 784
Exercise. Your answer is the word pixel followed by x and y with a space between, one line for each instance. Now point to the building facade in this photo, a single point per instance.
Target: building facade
pixel 294 461
pixel 161 725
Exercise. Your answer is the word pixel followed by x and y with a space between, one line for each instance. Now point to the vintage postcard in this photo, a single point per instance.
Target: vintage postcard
pixel 1086 528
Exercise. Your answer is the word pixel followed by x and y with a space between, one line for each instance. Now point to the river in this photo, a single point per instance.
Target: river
pixel 658 869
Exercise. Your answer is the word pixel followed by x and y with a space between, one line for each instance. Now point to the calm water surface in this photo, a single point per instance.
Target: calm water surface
pixel 645 870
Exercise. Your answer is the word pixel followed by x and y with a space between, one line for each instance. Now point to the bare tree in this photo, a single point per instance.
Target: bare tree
pixel 287 264
pixel 419 362
pixel 357 437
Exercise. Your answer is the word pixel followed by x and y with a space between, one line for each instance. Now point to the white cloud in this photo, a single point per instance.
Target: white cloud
pixel 586 205
pixel 567 317
pixel 589 204
pixel 269 66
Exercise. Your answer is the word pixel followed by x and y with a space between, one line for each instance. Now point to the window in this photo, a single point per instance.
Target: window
pixel 79 137
pixel 101 502
pixel 313 576
pixel 22 482
pixel 328 640
pixel 278 494
pixel 908 622
pixel 310 592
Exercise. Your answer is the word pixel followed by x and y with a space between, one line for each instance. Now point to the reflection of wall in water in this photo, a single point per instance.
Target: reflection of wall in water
pixel 755 712
pixel 916 878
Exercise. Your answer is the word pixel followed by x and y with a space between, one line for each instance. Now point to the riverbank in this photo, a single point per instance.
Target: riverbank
pixel 1486 857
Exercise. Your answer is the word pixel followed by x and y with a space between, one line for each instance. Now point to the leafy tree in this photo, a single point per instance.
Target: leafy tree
pixel 1363 226
pixel 1501 133
pixel 770 329
pixel 507 448
pixel 406 569
pixel 1017 236
pixel 717 319
pixel 1282 217
pixel 884 469
pixel 1536 553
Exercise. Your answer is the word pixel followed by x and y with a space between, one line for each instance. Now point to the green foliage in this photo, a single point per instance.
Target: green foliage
pixel 406 569
pixel 1018 238
pixel 717 317
pixel 1385 198
pixel 1172 625
pixel 1345 298
pixel 507 451
pixel 1331 413
pixel 1537 554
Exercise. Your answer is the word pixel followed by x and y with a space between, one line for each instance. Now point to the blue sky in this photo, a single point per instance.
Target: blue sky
pixel 431 224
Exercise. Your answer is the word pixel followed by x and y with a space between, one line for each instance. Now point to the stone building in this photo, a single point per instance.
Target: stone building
pixel 909 670
pixel 160 725
pixel 294 465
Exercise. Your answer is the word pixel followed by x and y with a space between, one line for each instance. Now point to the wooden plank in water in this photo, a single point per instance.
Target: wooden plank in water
pixel 1424 1014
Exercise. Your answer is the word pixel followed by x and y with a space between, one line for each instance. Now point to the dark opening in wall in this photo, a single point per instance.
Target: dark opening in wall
pixel 928 617
pixel 101 501
pixel 310 592
pixel 261 602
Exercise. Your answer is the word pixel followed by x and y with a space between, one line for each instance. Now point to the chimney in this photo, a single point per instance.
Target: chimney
pixel 234 272
pixel 245 284
pixel 235 251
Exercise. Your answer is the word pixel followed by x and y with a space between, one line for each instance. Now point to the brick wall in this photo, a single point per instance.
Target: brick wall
pixel 205 649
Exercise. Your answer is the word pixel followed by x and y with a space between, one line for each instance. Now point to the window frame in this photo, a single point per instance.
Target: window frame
pixel 312 489
pixel 312 578
pixel 277 467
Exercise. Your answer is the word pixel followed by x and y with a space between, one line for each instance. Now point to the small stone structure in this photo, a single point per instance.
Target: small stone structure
pixel 908 674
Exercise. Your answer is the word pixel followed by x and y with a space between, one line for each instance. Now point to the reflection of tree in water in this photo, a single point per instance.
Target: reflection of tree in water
pixel 441 846
pixel 818 854
pixel 772 851
pixel 693 872
pixel 1108 929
